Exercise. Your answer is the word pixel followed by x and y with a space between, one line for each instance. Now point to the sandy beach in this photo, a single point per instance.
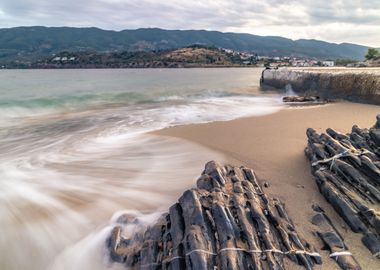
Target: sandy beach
pixel 273 145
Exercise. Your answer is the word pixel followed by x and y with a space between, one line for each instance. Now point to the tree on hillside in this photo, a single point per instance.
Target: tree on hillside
pixel 372 53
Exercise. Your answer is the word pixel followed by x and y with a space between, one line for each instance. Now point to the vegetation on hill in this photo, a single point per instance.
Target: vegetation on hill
pixel 372 54
pixel 372 58
pixel 27 44
pixel 345 62
pixel 192 56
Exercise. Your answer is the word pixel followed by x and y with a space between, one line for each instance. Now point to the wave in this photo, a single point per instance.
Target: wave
pixel 32 108
pixel 75 101
pixel 69 161
pixel 128 97
pixel 124 98
pixel 73 188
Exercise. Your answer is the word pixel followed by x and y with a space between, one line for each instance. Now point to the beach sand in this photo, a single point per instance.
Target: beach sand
pixel 273 146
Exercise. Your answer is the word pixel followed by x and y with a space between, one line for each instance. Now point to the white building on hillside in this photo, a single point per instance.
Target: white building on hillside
pixel 328 63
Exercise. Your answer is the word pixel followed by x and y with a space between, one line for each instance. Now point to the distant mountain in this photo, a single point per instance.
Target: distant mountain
pixel 32 43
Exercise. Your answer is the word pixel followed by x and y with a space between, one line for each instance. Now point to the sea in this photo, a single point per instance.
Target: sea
pixel 76 151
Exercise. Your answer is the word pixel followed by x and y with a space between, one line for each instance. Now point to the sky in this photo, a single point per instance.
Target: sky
pixel 354 21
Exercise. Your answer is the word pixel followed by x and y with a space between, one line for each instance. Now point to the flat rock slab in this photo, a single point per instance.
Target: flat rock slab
pixel 301 99
pixel 226 222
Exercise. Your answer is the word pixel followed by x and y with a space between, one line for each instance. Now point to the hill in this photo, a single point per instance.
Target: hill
pixel 192 56
pixel 32 43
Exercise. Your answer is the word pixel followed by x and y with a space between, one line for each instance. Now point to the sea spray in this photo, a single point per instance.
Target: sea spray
pixel 92 251
pixel 289 90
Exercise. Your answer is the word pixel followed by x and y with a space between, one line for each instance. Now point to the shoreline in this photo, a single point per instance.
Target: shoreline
pixel 103 67
pixel 309 69
pixel 273 146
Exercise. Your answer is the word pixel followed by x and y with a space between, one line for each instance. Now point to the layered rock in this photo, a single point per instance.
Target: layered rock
pixel 347 171
pixel 334 241
pixel 226 222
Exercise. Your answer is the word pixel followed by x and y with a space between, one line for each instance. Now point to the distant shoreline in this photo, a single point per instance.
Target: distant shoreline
pixel 186 67
pixel 327 69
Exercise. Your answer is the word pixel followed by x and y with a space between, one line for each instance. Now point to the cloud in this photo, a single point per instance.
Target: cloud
pixel 336 21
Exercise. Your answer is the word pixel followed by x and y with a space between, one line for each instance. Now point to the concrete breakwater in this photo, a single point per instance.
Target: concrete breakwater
pixel 358 85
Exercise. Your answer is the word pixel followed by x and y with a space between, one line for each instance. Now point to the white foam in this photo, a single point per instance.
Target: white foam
pixel 195 111
pixel 36 196
pixel 170 98
pixel 58 186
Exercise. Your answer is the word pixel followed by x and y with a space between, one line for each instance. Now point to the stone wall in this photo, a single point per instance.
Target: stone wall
pixel 353 85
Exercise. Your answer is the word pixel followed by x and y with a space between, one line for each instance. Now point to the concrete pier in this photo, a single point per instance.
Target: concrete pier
pixel 356 84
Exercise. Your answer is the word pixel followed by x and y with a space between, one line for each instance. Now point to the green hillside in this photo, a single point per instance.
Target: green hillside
pixel 192 56
pixel 32 43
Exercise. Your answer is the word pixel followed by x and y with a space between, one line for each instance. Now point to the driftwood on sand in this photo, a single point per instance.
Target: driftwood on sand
pixel 226 222
pixel 347 171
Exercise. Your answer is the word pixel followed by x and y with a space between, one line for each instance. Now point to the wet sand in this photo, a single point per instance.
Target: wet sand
pixel 273 146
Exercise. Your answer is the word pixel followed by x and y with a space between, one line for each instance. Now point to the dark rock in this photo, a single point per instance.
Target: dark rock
pixel 377 125
pixel 333 241
pixel 347 172
pixel 301 99
pixel 375 136
pixel 372 242
pixel 339 202
pixel 226 222
pixel 114 244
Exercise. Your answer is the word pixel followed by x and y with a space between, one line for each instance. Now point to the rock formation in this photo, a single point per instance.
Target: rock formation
pixel 300 99
pixel 226 222
pixel 303 100
pixel 333 241
pixel 347 171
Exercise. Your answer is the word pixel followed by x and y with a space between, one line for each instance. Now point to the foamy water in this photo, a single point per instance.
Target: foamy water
pixel 75 150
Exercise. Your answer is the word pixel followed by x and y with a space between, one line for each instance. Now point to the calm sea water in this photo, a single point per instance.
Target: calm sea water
pixel 75 151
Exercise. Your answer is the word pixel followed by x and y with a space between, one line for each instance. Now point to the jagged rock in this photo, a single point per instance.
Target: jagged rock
pixel 334 242
pixel 346 168
pixel 226 222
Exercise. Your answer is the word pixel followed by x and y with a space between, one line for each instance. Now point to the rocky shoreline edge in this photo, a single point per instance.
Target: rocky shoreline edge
pixel 346 168
pixel 228 222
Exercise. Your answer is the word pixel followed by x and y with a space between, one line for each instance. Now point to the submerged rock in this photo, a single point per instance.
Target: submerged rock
pixel 226 222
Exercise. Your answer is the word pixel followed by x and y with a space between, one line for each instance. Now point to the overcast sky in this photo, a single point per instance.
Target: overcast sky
pixel 356 21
